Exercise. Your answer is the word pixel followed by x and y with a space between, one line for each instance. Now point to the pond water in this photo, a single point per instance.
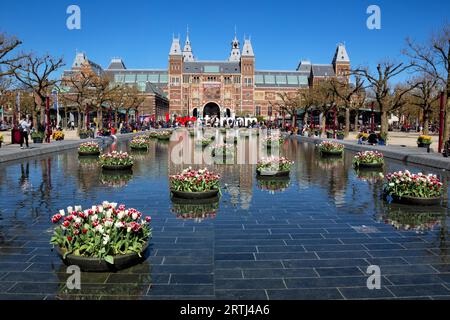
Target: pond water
pixel 311 236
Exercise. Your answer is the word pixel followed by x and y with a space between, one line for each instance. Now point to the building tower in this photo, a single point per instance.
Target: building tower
pixel 175 77
pixel 235 54
pixel 188 56
pixel 248 75
pixel 341 62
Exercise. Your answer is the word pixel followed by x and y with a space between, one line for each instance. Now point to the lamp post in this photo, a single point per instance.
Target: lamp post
pixel 372 125
pixel 48 127
pixel 334 121
pixel 441 121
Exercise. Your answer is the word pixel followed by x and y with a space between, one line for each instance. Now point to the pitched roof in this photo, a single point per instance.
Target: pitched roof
pixel 323 70
pixel 341 54
pixel 116 64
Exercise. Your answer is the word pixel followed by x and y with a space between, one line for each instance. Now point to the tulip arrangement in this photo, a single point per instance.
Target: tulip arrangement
pixel 274 164
pixel 116 180
pixel 103 231
pixel 139 143
pixel 418 222
pixel 273 186
pixel 413 185
pixel 330 146
pixel 368 158
pixel 116 159
pixel 424 140
pixel 190 180
pixel 89 147
pixel 163 135
pixel 197 212
pixel 58 135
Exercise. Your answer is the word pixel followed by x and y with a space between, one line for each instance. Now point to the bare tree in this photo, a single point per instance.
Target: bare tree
pixel 34 74
pixel 348 95
pixel 388 97
pixel 326 100
pixel 81 92
pixel 7 45
pixel 102 94
pixel 433 58
pixel 425 97
pixel 117 100
pixel 289 103
pixel 133 99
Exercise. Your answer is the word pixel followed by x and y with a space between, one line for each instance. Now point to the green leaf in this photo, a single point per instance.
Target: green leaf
pixel 109 259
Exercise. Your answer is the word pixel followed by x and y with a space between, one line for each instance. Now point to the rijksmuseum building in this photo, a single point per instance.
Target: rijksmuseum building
pixel 228 88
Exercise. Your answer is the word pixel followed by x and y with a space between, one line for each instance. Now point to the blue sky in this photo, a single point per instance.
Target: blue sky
pixel 282 32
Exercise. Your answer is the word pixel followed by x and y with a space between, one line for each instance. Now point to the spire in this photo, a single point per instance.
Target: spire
pixel 80 60
pixel 247 50
pixel 175 49
pixel 341 55
pixel 188 56
pixel 235 50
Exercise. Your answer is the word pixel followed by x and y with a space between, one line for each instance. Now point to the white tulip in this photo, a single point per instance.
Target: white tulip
pixel 129 229
pixel 69 210
pixel 113 205
pixel 61 212
pixel 77 208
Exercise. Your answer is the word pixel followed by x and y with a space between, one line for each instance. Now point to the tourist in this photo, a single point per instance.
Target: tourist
pixel 373 138
pixel 24 127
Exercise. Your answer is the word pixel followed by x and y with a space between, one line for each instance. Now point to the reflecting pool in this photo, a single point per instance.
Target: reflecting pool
pixel 309 236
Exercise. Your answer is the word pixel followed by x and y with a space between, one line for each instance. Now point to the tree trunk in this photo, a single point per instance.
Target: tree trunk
pixel 384 122
pixel 426 121
pixel 347 122
pixel 115 118
pixel 356 121
pixel 324 123
pixel 305 119
pixel 100 119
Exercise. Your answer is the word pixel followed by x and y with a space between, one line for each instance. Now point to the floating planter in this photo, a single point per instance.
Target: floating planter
pixel 164 135
pixel 329 148
pixel 274 167
pixel 116 161
pixel 413 189
pixel 153 135
pixel 116 179
pixel 139 143
pixel 89 149
pixel 368 159
pixel 195 184
pixel 123 234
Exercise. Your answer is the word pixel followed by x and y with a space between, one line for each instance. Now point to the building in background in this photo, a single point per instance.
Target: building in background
pixel 227 88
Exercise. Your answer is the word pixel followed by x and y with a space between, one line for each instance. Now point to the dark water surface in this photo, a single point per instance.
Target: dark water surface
pixel 308 237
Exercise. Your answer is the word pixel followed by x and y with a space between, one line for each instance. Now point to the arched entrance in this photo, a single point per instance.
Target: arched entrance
pixel 195 113
pixel 211 109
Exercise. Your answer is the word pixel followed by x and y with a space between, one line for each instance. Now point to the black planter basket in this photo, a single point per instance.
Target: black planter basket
pixel 37 140
pixel 194 195
pixel 331 153
pixel 119 168
pixel 139 148
pixel 370 165
pixel 87 264
pixel 417 201
pixel 273 174
pixel 88 154
pixel 423 145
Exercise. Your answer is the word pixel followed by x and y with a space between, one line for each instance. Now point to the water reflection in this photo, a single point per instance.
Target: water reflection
pixel 197 210
pixel 116 179
pixel 273 184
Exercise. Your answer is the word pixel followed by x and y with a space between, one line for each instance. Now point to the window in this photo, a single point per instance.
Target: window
pixel 248 82
pixel 175 81
pixel 269 79
pixel 141 78
pixel 185 79
pixel 196 79
pixel 237 79
pixel 119 78
pixel 269 111
pixel 227 80
pixel 130 78
pixel 292 80
pixel 259 79
pixel 281 79
pixel 303 80
pixel 211 69
pixel 153 78
pixel 141 86
pixel 257 110
pixel 164 78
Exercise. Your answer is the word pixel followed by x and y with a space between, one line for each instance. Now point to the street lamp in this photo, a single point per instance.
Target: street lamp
pixel 441 121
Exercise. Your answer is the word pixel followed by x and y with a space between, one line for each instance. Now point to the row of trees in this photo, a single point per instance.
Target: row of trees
pixel 429 69
pixel 84 91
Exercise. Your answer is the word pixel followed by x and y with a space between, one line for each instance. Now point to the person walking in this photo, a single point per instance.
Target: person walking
pixel 24 127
